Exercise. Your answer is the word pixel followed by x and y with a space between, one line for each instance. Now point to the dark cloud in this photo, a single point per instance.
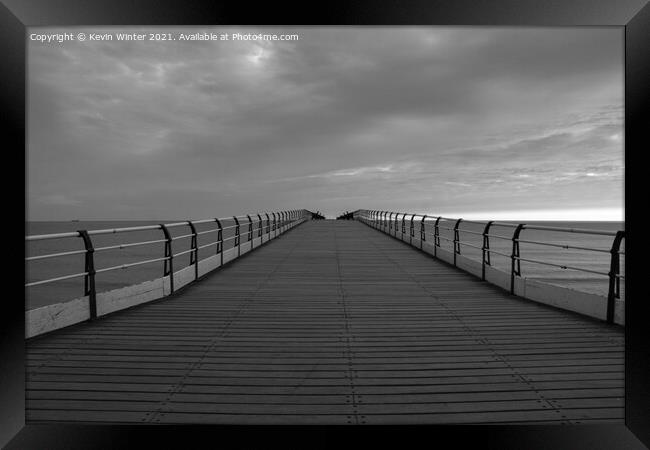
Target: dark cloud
pixel 430 119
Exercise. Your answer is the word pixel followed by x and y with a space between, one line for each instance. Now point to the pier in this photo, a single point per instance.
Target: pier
pixel 301 321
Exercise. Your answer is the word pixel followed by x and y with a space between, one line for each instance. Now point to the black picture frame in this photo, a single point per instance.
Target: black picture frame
pixel 634 15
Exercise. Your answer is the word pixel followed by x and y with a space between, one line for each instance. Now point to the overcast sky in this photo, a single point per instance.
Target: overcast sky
pixel 469 122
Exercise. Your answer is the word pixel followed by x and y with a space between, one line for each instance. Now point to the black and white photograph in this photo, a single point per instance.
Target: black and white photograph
pixel 325 225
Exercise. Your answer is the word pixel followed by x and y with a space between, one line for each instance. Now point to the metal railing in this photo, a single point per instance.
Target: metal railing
pixel 389 222
pixel 261 224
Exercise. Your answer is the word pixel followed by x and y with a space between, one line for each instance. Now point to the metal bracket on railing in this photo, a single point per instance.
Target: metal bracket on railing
pixel 423 234
pixel 169 257
pixel 237 236
pixel 412 230
pixel 250 230
pixel 486 248
pixel 194 256
pixel 436 237
pixel 456 240
pixel 219 239
pixel 89 279
pixel 515 265
pixel 614 280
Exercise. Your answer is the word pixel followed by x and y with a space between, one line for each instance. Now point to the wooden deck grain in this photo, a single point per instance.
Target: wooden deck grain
pixel 333 323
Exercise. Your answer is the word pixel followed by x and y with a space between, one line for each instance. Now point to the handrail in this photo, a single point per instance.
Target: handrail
pixel 383 220
pixel 288 218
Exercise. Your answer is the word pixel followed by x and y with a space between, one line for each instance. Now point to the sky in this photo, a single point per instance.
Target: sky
pixel 502 123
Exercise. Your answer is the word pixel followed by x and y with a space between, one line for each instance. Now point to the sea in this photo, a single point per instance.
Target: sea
pixel 64 290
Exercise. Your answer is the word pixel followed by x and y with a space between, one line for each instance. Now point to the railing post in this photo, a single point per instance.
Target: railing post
pixel 485 248
pixel 383 221
pixel 403 224
pixel 250 230
pixel 423 234
pixel 456 240
pixel 237 236
pixel 194 256
pixel 274 226
pixel 411 230
pixel 219 239
pixel 515 263
pixel 390 222
pixel 436 237
pixel 259 229
pixel 169 255
pixel 89 279
pixel 614 280
pixel 268 225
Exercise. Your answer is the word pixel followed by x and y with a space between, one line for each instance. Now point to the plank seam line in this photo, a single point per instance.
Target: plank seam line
pixel 355 398
pixel 478 337
pixel 246 302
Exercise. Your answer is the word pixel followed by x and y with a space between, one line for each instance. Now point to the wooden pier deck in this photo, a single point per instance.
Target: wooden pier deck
pixel 332 323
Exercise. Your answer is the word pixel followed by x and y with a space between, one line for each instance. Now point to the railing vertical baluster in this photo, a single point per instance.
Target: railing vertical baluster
pixel 515 263
pixel 436 237
pixel 219 239
pixel 411 230
pixel 485 248
pixel 259 229
pixel 614 270
pixel 390 222
pixel 237 236
pixel 169 255
pixel 268 225
pixel 89 279
pixel 250 230
pixel 403 225
pixel 274 228
pixel 194 255
pixel 456 240
pixel 423 234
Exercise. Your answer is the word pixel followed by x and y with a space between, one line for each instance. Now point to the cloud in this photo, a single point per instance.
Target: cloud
pixel 412 117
